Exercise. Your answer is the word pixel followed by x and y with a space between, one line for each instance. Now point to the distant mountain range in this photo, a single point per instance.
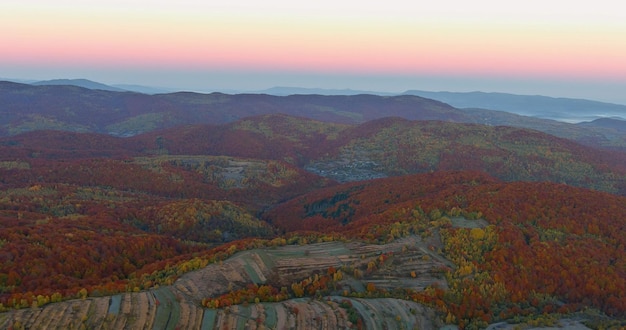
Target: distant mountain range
pixel 286 91
pixel 27 108
pixel 71 108
pixel 143 89
pixel 561 109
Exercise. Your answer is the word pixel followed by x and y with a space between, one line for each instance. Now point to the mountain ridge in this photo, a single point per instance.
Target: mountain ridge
pixel 498 101
pixel 77 109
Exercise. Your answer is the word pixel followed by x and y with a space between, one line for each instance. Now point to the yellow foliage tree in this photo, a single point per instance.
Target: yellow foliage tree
pixel 477 233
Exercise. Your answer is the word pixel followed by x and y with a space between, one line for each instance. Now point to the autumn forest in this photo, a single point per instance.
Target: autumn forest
pixel 274 220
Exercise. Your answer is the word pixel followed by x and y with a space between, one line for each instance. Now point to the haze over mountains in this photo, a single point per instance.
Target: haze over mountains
pixel 561 109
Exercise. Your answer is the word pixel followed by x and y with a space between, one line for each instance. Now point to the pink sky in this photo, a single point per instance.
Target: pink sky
pixel 544 40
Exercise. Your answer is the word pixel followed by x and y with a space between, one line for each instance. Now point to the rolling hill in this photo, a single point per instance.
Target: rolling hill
pixel 390 147
pixel 379 148
pixel 72 108
pixel 395 146
pixel 78 109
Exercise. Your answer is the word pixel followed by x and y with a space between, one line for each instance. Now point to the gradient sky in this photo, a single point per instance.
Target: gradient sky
pixel 548 47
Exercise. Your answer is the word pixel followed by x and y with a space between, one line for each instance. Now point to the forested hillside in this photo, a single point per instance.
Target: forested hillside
pixel 379 148
pixel 249 224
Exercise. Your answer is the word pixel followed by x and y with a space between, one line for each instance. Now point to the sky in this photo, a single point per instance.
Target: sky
pixel 544 47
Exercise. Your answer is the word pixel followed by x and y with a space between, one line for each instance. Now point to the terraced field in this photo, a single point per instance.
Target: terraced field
pixel 179 305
